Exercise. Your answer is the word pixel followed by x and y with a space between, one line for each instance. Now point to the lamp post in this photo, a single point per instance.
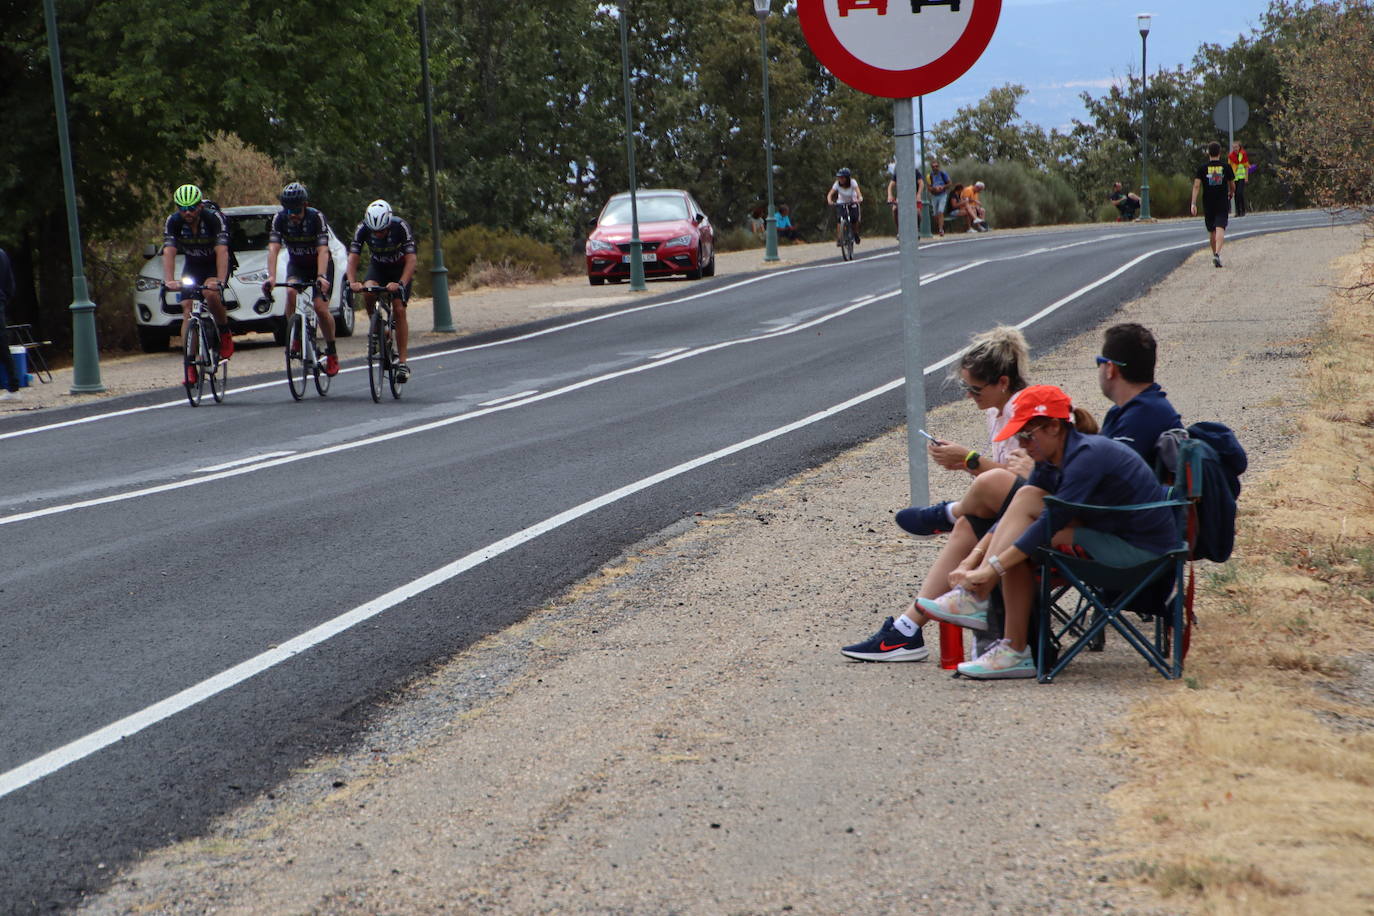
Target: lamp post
pixel 770 249
pixel 443 318
pixel 85 353
pixel 1143 22
pixel 636 247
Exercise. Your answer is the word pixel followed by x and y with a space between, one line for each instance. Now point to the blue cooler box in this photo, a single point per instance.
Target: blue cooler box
pixel 21 365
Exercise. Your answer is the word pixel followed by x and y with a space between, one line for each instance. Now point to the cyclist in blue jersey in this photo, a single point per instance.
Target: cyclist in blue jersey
pixel 202 236
pixel 392 245
pixel 304 232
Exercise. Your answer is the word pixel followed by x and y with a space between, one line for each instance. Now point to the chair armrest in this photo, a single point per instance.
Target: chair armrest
pixel 1138 507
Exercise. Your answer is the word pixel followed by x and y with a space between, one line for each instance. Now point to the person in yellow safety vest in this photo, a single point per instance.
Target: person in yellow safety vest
pixel 1240 165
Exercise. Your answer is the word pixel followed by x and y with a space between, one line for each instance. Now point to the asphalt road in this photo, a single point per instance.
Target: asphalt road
pixel 197 601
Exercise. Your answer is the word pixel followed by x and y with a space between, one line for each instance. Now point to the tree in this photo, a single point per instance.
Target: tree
pixel 994 131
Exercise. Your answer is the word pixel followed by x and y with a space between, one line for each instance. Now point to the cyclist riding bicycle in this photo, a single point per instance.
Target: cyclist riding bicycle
pixel 845 193
pixel 392 246
pixel 202 236
pixel 304 232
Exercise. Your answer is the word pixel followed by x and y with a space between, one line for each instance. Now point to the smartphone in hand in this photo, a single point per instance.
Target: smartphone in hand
pixel 930 437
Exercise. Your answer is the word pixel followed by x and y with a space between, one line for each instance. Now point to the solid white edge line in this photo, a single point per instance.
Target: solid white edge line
pixel 510 397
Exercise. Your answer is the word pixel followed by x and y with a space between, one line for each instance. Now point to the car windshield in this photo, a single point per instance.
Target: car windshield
pixel 651 210
pixel 249 233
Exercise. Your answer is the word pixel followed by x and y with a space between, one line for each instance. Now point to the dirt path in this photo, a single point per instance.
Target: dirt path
pixel 681 735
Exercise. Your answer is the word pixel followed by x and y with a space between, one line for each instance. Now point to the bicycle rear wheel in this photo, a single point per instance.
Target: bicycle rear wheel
pixel 190 361
pixel 218 369
pixel 296 367
pixel 376 355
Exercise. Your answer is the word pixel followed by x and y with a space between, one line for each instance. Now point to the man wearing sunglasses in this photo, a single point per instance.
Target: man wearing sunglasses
pixel 201 235
pixel 391 244
pixel 304 232
pixel 1140 410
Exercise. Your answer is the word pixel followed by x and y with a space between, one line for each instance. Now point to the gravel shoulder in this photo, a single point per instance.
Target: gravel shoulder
pixel 679 734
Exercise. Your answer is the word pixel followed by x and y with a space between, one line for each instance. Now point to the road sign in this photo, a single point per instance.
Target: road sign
pixel 1231 114
pixel 898 49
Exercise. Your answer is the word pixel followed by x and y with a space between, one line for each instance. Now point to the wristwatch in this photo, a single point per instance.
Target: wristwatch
pixel 971 461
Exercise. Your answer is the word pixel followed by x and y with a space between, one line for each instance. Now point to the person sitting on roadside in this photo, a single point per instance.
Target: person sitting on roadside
pixel 1140 409
pixel 991 371
pixel 971 204
pixel 955 205
pixel 1127 204
pixel 756 223
pixel 784 225
pixel 1076 467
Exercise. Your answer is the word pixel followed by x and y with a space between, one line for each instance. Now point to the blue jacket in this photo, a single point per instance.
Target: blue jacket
pixel 1140 420
pixel 1099 471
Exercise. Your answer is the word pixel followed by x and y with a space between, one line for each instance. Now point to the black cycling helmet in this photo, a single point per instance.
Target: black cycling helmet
pixel 293 195
pixel 843 173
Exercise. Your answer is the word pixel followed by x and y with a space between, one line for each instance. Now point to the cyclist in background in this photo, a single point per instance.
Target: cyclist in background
pixel 304 232
pixel 202 236
pixel 392 246
pixel 845 193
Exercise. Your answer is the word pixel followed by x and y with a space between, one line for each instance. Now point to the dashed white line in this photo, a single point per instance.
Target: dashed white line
pixel 249 460
pixel 510 397
pixel 667 353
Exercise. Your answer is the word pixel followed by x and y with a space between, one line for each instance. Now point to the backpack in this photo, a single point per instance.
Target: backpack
pixel 1209 455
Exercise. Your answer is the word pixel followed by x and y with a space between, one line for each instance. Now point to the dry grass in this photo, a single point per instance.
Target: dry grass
pixel 1254 792
pixel 505 273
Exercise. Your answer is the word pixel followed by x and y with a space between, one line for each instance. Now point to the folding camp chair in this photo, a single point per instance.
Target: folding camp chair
pixel 1154 589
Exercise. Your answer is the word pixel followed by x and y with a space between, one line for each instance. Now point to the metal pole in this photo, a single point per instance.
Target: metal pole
pixel 1144 136
pixel 636 247
pixel 85 352
pixel 770 235
pixel 443 317
pixel 911 282
pixel 925 191
pixel 1230 135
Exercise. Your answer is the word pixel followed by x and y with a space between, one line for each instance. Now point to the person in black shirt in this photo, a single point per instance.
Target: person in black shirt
pixel 392 245
pixel 201 235
pixel 6 294
pixel 304 232
pixel 1126 203
pixel 1218 185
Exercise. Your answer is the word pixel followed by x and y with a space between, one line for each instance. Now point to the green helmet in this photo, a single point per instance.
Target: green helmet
pixel 188 195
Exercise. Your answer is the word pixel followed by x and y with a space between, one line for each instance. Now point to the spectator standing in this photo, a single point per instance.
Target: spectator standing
pixel 1217 183
pixel 1239 160
pixel 1126 374
pixel 939 195
pixel 1126 203
pixel 6 360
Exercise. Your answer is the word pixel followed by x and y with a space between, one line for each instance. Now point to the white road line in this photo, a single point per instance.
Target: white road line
pixel 672 352
pixel 510 397
pixel 249 460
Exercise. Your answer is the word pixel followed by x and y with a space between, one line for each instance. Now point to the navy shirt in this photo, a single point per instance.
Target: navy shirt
pixel 391 248
pixel 6 282
pixel 1102 472
pixel 1140 420
pixel 302 237
pixel 197 243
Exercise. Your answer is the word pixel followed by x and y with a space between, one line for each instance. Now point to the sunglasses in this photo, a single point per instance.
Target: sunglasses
pixel 188 209
pixel 1028 433
pixel 972 389
pixel 1102 361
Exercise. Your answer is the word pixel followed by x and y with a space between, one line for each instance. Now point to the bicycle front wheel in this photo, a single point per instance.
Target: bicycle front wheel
pixel 195 390
pixel 321 377
pixel 218 369
pixel 296 366
pixel 848 248
pixel 376 355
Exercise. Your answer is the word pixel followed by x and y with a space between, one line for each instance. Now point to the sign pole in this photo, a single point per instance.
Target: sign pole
pixel 1230 136
pixel 907 233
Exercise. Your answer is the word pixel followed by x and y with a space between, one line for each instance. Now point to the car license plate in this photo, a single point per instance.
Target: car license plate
pixel 646 256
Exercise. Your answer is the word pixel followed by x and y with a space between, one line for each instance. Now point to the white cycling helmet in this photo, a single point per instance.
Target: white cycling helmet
pixel 378 216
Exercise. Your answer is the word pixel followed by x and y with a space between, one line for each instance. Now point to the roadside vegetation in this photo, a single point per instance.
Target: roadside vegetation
pixel 530 142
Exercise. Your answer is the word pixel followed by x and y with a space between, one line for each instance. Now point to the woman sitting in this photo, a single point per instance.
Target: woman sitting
pixel 1076 467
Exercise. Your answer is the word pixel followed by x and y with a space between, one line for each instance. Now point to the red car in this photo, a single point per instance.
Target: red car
pixel 675 238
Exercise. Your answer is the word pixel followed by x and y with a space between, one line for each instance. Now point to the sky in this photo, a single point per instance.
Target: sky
pixel 1058 49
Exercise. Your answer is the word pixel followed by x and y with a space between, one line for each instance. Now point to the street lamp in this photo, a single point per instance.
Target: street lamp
pixel 636 248
pixel 1143 23
pixel 770 249
pixel 85 353
pixel 443 318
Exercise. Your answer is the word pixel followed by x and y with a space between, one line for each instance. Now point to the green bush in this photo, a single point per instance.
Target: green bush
pixel 1169 195
pixel 472 245
pixel 739 238
pixel 1017 196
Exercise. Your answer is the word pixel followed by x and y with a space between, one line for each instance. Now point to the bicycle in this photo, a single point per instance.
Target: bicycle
pixel 382 357
pixel 303 354
pixel 200 348
pixel 846 232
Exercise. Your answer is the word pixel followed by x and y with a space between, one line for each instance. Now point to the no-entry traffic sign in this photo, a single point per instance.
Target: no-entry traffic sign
pixel 898 48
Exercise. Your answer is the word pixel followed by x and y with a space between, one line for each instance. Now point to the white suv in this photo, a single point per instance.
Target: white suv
pixel 249 309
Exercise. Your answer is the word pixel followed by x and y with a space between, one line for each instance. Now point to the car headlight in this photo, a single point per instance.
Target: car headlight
pixel 599 245
pixel 682 241
pixel 143 284
pixel 257 276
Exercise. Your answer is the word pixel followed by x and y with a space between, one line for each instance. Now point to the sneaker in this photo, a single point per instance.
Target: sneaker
pixel 191 376
pixel 857 240
pixel 1001 662
pixel 10 396
pixel 331 365
pixel 958 607
pixel 226 345
pixel 971 231
pixel 925 522
pixel 402 373
pixel 295 347
pixel 889 645
pixel 1216 260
